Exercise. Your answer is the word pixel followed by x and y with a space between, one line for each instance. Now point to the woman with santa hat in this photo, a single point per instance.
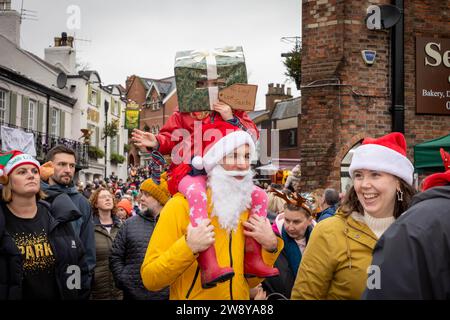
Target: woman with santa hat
pixel 40 255
pixel 336 263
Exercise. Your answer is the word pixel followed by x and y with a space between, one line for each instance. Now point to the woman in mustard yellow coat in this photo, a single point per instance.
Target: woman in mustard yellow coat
pixel 336 261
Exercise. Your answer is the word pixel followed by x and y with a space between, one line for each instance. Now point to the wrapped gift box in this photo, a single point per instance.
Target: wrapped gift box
pixel 199 76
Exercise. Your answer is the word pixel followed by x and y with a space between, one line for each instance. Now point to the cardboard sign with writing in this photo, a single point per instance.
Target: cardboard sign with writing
pixel 239 96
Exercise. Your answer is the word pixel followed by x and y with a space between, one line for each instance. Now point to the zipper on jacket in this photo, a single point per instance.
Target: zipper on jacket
pixel 193 282
pixel 231 265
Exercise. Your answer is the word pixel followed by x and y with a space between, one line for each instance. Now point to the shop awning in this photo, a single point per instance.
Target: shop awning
pixel 268 169
pixel 278 164
pixel 427 156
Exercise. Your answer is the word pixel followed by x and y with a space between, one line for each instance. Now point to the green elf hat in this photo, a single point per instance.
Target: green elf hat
pixel 13 159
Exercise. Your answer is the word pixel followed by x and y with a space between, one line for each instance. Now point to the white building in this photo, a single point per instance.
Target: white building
pixel 30 98
pixel 51 99
pixel 97 106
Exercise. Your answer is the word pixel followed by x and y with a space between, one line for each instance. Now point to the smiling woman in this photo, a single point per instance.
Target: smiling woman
pixel 336 261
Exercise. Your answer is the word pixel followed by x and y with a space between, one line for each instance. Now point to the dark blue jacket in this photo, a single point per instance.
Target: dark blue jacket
pixel 128 252
pixel 280 287
pixel 327 213
pixel 83 226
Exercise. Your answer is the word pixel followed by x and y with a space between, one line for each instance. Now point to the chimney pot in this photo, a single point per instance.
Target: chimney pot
pixel 57 41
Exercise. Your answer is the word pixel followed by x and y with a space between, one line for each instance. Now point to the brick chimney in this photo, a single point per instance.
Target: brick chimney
pixel 276 93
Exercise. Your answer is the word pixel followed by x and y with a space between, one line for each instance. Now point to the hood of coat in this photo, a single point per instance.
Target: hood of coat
pixel 55 189
pixel 435 192
pixel 63 209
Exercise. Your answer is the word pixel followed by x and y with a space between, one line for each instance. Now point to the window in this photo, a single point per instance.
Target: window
pixel 93 96
pixel 156 104
pixel 3 107
pixel 288 138
pixel 114 107
pixel 32 115
pixel 93 135
pixel 113 145
pixel 55 122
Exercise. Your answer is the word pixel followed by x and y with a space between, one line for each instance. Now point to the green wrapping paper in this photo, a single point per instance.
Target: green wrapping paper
pixel 199 75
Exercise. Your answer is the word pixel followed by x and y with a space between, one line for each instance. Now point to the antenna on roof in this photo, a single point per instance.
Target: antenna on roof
pixel 27 14
pixel 79 39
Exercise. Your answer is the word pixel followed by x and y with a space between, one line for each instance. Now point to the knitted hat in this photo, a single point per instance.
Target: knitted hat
pixel 125 204
pixel 13 159
pixel 439 179
pixel 159 192
pixel 385 154
pixel 219 139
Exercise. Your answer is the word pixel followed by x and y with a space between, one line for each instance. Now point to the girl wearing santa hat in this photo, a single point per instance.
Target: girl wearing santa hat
pixel 39 250
pixel 336 263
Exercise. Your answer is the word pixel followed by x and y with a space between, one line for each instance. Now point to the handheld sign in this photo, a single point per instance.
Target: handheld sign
pixel 239 96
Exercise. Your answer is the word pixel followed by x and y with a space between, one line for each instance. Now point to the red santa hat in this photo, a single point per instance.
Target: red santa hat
pixel 439 179
pixel 219 139
pixel 13 159
pixel 385 154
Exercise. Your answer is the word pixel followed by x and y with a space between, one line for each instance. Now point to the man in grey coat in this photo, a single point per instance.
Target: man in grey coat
pixel 63 162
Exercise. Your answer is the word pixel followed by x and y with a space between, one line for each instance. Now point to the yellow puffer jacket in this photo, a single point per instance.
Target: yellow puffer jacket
pixel 334 264
pixel 169 260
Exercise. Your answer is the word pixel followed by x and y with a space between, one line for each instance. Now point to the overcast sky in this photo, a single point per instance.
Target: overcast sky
pixel 142 36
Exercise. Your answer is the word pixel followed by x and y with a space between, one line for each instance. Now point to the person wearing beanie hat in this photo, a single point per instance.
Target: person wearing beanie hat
pixel 183 255
pixel 336 261
pixel 37 242
pixel 412 255
pixel 124 208
pixel 131 242
pixel 159 192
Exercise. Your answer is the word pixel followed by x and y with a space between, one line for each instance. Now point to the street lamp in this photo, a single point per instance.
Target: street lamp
pixel 106 137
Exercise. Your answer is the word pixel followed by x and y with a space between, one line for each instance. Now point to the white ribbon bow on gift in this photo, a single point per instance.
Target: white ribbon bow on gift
pixel 199 55
pixel 211 65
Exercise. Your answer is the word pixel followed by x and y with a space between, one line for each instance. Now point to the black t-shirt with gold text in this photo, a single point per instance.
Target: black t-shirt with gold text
pixel 31 238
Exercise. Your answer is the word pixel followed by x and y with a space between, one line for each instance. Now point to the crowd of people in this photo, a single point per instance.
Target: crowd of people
pixel 203 230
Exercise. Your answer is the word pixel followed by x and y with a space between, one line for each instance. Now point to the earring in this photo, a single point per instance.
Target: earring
pixel 399 195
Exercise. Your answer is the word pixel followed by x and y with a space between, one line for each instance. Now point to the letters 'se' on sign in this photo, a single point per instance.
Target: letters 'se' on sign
pixel 239 96
pixel 433 76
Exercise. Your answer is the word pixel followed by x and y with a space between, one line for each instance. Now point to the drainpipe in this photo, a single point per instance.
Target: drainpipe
pixel 47 124
pixel 398 74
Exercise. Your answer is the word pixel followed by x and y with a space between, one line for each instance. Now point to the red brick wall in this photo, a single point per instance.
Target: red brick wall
pixel 335 117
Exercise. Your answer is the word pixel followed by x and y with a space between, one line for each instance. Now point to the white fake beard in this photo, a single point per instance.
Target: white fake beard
pixel 230 197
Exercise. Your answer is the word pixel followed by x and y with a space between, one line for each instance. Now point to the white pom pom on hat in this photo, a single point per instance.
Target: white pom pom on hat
pixel 197 162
